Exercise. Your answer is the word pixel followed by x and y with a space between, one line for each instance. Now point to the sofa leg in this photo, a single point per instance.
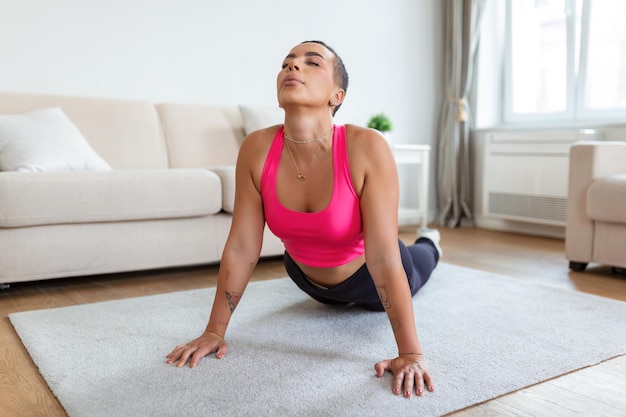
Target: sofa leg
pixel 577 266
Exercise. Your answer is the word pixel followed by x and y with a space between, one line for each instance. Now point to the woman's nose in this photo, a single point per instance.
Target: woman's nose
pixel 294 67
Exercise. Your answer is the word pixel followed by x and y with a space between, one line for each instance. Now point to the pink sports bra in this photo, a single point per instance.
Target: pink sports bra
pixel 323 239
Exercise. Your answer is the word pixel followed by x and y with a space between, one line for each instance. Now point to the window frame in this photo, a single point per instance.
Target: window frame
pixel 576 83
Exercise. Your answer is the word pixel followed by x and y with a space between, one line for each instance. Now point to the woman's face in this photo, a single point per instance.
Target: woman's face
pixel 307 76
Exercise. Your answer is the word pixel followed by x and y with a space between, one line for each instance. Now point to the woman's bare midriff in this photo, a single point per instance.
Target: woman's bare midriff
pixel 330 277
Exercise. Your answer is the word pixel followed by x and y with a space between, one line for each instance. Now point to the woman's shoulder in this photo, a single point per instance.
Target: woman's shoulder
pixel 356 130
pixel 365 139
pixel 255 148
pixel 259 140
pixel 253 152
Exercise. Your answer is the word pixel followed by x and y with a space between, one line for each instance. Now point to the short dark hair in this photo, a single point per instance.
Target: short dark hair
pixel 341 75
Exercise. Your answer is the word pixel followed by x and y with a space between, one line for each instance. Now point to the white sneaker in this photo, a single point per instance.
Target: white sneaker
pixel 432 235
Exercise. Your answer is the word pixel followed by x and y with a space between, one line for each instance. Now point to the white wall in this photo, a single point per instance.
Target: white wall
pixel 228 52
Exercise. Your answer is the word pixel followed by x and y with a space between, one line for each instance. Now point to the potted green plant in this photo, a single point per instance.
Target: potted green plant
pixel 381 123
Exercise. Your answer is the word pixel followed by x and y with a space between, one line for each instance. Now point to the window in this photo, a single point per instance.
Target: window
pixel 566 60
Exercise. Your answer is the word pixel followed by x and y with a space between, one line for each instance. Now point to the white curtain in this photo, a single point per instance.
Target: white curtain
pixel 453 158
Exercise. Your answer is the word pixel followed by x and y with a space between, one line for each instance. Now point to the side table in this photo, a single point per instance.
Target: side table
pixel 418 155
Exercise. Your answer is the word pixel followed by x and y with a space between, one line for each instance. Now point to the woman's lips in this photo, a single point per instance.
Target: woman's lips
pixel 292 80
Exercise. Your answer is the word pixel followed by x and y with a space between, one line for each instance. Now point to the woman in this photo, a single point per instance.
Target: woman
pixel 331 194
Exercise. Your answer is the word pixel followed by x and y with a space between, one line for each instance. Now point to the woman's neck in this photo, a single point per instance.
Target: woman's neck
pixel 306 125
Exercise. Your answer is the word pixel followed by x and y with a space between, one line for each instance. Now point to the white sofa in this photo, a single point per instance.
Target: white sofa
pixel 166 202
pixel 596 205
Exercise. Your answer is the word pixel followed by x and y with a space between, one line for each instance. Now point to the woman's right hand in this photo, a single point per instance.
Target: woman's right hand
pixel 197 349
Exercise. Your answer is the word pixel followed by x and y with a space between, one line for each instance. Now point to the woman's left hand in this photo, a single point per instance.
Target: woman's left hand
pixel 410 372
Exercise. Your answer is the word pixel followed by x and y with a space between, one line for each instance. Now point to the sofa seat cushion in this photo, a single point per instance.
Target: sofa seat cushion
pixel 30 199
pixel 606 199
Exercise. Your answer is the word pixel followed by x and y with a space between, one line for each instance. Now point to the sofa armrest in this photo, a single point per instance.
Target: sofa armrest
pixel 588 161
pixel 227 176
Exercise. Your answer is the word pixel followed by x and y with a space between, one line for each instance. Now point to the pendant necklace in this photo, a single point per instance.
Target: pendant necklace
pixel 302 175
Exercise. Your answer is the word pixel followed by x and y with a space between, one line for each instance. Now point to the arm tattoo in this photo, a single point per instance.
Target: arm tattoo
pixel 384 296
pixel 233 299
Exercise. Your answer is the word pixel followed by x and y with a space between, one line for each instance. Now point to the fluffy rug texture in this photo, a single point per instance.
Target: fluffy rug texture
pixel 484 335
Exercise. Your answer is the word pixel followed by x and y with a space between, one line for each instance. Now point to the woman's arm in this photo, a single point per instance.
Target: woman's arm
pixel 243 246
pixel 379 208
pixel 240 256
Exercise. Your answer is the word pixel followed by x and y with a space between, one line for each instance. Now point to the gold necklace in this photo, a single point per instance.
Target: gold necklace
pixel 300 142
pixel 301 175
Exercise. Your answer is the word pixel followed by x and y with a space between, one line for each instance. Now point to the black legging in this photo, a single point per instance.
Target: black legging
pixel 418 261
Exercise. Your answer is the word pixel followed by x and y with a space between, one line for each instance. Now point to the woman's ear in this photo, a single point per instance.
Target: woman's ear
pixel 337 98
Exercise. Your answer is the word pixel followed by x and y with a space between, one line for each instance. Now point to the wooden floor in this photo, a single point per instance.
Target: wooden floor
pixel 594 391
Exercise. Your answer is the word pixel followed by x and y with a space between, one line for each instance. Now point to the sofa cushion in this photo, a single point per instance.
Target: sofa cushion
pixel 29 199
pixel 606 199
pixel 125 133
pixel 45 140
pixel 255 118
pixel 199 136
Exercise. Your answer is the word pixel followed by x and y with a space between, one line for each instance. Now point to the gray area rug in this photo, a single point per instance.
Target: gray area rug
pixel 484 335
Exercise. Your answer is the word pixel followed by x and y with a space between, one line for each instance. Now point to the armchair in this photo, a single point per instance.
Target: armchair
pixel 596 205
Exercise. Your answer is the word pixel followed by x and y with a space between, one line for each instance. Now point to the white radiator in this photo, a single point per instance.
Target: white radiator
pixel 524 176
